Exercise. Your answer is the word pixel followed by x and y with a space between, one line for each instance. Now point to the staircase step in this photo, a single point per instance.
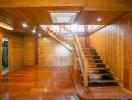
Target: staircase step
pixel 102 81
pixel 97 65
pixel 96 68
pixel 98 61
pixel 104 84
pixel 99 74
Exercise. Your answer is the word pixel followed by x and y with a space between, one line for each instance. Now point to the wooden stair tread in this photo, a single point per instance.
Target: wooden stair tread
pixel 93 59
pixel 100 74
pixel 97 63
pixel 102 81
pixel 97 68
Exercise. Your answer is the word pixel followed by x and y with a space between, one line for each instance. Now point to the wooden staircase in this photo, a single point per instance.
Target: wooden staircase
pixel 98 73
pixel 60 37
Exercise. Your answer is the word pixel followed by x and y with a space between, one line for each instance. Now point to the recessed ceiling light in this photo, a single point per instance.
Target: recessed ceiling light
pixel 99 19
pixel 63 17
pixel 24 25
pixel 39 35
pixel 34 30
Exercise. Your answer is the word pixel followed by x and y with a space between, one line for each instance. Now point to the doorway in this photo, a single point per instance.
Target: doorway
pixel 5 54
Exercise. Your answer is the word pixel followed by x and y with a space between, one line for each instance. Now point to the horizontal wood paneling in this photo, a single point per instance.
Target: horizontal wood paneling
pixel 114 44
pixel 52 53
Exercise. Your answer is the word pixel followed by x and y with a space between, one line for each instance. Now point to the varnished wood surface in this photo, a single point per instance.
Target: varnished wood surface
pixel 114 44
pixel 16 49
pixel 38 83
pixel 21 50
pixel 89 5
pixel 98 93
pixel 29 50
pixel 34 16
pixel 52 53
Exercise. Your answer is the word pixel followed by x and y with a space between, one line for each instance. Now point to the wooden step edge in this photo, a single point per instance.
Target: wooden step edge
pixel 96 68
pixel 97 74
pixel 94 59
pixel 102 81
pixel 97 63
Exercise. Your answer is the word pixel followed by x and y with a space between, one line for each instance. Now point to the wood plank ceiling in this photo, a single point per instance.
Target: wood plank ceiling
pixel 36 12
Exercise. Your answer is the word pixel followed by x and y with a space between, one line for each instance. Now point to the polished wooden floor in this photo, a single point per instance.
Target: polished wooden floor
pixel 37 83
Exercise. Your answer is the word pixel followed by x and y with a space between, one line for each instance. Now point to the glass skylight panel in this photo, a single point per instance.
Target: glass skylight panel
pixel 74 28
pixel 81 28
pixel 68 27
pixel 56 27
pixel 60 17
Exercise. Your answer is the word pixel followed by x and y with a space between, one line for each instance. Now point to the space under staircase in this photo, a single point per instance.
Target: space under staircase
pixel 60 37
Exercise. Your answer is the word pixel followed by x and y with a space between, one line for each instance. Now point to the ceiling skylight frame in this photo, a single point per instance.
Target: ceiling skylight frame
pixel 63 17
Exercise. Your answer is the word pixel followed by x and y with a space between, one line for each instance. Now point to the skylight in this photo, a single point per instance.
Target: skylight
pixel 63 17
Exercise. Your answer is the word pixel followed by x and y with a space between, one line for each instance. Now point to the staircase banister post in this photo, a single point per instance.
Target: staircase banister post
pixel 85 72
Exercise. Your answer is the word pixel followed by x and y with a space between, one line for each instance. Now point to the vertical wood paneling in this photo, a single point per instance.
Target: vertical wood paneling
pixel 29 50
pixel 15 49
pixel 52 53
pixel 114 44
pixel 0 51
pixel 17 52
pixel 82 41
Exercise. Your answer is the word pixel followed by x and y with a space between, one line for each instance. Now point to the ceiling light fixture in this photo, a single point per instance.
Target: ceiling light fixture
pixel 34 30
pixel 24 25
pixel 6 26
pixel 39 35
pixel 99 19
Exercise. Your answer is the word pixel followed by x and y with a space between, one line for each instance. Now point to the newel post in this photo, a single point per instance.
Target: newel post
pixel 85 72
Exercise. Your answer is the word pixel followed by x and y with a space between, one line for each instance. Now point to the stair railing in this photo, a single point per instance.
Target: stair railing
pixel 83 62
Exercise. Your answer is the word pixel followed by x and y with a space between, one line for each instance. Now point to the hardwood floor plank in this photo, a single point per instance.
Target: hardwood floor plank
pixel 38 83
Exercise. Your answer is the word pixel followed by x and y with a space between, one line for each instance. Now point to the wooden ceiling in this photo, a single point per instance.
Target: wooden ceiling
pixel 119 5
pixel 36 12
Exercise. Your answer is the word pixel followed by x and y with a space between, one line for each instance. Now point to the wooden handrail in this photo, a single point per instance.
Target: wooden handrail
pixel 82 60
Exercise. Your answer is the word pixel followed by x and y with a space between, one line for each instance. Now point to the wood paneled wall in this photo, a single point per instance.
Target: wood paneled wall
pixel 0 51
pixel 29 50
pixel 52 53
pixel 16 48
pixel 17 52
pixel 21 50
pixel 82 41
pixel 114 44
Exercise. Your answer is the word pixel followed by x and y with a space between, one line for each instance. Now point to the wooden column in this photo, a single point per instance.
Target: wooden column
pixel 0 53
pixel 36 51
